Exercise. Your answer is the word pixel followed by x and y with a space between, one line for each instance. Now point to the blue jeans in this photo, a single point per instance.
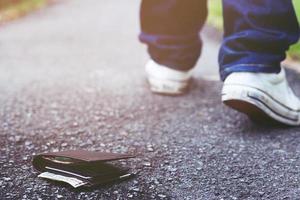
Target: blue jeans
pixel 257 33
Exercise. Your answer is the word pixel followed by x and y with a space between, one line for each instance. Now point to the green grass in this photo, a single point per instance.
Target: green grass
pixel 294 51
pixel 215 19
pixel 215 14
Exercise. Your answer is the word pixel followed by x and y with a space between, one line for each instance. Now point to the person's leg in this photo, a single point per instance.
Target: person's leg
pixel 257 35
pixel 171 28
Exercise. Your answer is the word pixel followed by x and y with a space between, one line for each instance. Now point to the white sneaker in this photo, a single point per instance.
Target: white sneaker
pixel 262 96
pixel 164 80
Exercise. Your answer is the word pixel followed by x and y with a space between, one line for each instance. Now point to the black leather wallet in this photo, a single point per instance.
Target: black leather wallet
pixel 81 168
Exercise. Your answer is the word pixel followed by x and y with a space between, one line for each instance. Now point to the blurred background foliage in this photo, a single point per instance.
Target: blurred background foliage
pixel 215 19
pixel 12 9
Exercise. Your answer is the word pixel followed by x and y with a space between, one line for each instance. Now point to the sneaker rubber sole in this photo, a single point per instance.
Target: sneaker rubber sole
pixel 258 105
pixel 168 87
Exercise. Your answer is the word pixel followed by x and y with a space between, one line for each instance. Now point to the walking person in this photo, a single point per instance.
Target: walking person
pixel 257 34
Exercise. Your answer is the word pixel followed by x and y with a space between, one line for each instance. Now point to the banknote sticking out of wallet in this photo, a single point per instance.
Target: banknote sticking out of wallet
pixel 81 168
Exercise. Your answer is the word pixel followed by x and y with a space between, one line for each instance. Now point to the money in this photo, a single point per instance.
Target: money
pixel 70 180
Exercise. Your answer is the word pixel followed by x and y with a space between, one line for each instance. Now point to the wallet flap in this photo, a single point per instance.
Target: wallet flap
pixel 76 156
pixel 89 156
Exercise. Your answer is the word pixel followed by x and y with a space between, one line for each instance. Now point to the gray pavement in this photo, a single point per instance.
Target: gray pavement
pixel 71 77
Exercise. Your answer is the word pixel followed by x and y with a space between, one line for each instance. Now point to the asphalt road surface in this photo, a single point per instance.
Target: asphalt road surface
pixel 71 77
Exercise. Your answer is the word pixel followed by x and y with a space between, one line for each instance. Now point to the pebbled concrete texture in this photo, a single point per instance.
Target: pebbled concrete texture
pixel 71 77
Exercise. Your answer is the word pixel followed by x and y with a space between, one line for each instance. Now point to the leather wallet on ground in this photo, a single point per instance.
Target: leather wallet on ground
pixel 80 167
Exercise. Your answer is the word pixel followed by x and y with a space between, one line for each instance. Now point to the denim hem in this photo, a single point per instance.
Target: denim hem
pixel 173 65
pixel 255 68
